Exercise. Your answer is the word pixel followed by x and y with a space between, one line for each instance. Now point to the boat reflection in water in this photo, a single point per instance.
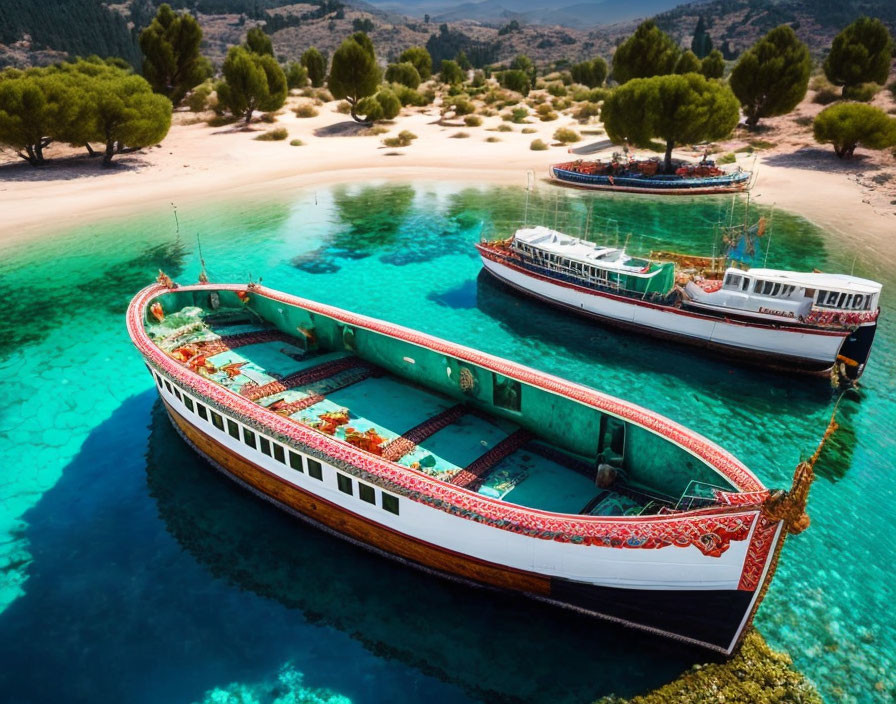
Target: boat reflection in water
pixel 493 645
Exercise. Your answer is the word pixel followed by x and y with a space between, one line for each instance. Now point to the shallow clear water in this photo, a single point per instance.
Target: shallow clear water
pixel 130 571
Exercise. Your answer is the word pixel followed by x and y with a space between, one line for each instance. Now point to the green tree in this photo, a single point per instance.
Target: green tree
pixel 354 74
pixel 515 80
pixel 687 63
pixel 848 125
pixel 451 73
pixel 296 75
pixel 713 65
pixel 259 42
pixel 251 82
pixel 648 52
pixel 171 60
pixel 421 59
pixel 120 110
pixel 701 44
pixel 679 109
pixel 403 73
pixel 463 61
pixel 316 65
pixel 772 77
pixel 590 73
pixel 385 105
pixel 35 107
pixel 861 53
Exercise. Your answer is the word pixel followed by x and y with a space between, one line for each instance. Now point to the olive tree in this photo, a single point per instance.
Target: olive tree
pixel 772 77
pixel 316 65
pixel 848 125
pixel 421 59
pixel 591 73
pixel 861 53
pixel 251 82
pixel 679 109
pixel 354 74
pixel 648 52
pixel 171 60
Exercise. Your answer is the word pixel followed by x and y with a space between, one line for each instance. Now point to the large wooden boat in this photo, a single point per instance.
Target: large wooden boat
pixel 465 464
pixel 810 322
pixel 645 176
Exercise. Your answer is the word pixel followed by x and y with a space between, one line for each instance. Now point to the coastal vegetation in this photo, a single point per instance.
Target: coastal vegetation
pixel 171 60
pixel 354 73
pixel 316 65
pixel 849 125
pixel 860 54
pixel 252 81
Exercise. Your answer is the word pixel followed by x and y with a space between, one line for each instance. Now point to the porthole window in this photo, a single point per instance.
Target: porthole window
pixel 345 483
pixel 389 503
pixel 367 493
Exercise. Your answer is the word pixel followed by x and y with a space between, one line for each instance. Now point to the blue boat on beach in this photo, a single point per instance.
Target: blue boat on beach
pixel 644 177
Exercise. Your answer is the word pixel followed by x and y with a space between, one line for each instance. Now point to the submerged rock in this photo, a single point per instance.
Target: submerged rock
pixel 756 674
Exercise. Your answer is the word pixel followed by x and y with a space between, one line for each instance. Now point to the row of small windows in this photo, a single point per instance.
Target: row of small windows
pixel 837 299
pixel 270 448
pixel 576 267
pixel 825 299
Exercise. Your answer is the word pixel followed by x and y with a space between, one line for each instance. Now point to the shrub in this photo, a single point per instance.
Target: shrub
pixel 504 128
pixel 515 80
pixel 221 120
pixel 408 96
pixel 472 120
pixel 306 110
pixel 324 94
pixel 461 105
pixel 545 113
pixel 538 145
pixel 558 90
pixel 459 135
pixel 403 139
pixel 296 75
pixel 404 73
pixel 492 139
pixel 849 125
pixel 518 115
pixel 586 112
pixel 343 108
pixel 296 143
pixel 275 135
pixel 374 131
pixel 862 93
pixel 565 135
pixel 197 101
pixel 728 158
pixel 268 117
pixel 527 130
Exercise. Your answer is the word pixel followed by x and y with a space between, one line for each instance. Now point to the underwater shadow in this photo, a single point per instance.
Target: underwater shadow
pixel 130 597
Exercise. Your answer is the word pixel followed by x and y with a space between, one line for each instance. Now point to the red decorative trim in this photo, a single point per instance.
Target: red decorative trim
pixel 710 530
pixel 254 392
pixel 757 553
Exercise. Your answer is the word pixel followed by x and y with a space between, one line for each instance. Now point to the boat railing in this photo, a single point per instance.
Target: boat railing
pixel 699 494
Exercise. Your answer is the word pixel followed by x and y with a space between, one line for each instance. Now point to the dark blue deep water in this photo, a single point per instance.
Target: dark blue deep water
pixel 130 571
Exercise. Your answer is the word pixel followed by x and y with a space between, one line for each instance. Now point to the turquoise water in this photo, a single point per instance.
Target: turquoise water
pixel 131 572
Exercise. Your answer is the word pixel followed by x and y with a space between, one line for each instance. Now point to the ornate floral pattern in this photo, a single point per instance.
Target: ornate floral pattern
pixel 710 529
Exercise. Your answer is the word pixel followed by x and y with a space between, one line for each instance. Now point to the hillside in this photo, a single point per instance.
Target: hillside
pixel 490 32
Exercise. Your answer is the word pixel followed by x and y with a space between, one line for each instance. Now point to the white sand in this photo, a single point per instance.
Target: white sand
pixel 197 161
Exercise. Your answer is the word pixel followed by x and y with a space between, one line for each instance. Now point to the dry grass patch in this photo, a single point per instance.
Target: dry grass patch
pixel 276 135
pixel 538 145
pixel 403 139
pixel 306 110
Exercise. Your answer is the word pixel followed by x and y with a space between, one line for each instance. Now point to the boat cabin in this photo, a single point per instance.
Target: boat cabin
pixel 788 294
pixel 590 263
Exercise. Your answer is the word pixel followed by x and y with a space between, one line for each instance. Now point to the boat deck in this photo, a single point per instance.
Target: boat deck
pixel 346 397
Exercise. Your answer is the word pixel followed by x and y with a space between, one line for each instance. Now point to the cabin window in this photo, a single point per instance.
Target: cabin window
pixel 858 301
pixel 202 411
pixel 295 461
pixel 733 280
pixel 367 493
pixel 315 469
pixel 279 455
pixel 745 284
pixel 389 502
pixel 249 438
pixel 506 393
pixel 168 386
pixel 233 429
pixel 345 483
pixel 157 380
pixel 188 402
pixel 217 421
pixel 264 445
pixel 177 394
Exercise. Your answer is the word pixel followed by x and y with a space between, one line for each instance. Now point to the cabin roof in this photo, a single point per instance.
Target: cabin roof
pixel 575 249
pixel 829 282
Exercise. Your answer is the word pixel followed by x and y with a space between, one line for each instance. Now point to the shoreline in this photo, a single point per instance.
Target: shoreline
pixel 198 162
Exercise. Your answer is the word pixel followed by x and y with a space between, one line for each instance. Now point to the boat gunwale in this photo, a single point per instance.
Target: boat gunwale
pixel 747 484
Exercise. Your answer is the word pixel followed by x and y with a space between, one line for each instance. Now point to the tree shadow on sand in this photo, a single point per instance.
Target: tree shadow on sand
pixel 817 159
pixel 348 128
pixel 70 168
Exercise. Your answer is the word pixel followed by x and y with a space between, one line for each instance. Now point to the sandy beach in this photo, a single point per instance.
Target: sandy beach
pixel 197 161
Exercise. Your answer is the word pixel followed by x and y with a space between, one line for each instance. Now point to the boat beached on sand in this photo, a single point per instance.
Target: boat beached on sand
pixel 465 464
pixel 645 176
pixel 810 322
